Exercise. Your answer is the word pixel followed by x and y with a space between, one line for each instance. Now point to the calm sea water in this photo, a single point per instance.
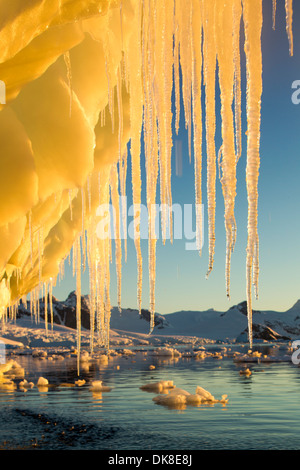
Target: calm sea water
pixel 263 411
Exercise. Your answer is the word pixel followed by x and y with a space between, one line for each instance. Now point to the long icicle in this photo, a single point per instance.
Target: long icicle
pixel 237 13
pixel 136 116
pixel 46 307
pixel 252 14
pixel 197 116
pixel 226 80
pixel 183 19
pixel 273 14
pixel 151 150
pixel 209 73
pixel 162 94
pixel 78 299
pixel 114 178
pixel 289 24
pixel 51 302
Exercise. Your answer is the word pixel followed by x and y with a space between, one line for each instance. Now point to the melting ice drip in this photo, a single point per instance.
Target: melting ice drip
pixel 145 45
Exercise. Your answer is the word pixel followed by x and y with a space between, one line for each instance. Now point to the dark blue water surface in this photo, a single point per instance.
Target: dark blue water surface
pixel 262 413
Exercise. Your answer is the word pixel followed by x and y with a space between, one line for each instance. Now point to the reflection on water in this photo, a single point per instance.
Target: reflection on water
pixel 262 411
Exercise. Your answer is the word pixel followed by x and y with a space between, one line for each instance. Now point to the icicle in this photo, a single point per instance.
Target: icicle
pixel 176 74
pixel 99 288
pixel 151 150
pixel 256 266
pixel 92 256
pixel 69 77
pixel 252 13
pixel 83 235
pixel 31 305
pixel 183 17
pixel 117 235
pixel 34 305
pixel 102 117
pixel 209 75
pixel 197 116
pixel 122 176
pixel 273 13
pixel 78 300
pixel 111 105
pixel 289 24
pixel 136 113
pixel 70 204
pixel 122 158
pixel 51 302
pixel 163 50
pixel 225 57
pixel 40 251
pixel 120 110
pixel 102 282
pixel 74 260
pixel 46 308
pixel 237 12
pixel 107 305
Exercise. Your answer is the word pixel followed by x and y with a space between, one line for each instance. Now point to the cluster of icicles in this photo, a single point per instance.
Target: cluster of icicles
pixel 197 39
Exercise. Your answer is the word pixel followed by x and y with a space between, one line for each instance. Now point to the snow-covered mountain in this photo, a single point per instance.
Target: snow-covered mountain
pixel 210 324
pixel 233 323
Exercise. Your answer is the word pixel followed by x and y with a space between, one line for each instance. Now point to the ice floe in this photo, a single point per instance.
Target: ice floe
pixel 178 397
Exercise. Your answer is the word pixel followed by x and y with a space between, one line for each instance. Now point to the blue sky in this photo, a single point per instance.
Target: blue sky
pixel 180 281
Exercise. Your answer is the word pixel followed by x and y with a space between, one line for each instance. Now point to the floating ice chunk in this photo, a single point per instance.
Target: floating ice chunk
pixel 255 353
pixel 25 384
pixel 103 359
pixel 179 391
pixel 170 400
pixel 39 354
pixel 245 372
pixel 158 387
pixel 194 399
pixel 204 393
pixel 42 382
pixel 58 357
pixel 167 352
pixel 97 386
pixel 127 352
pixel 6 367
pixel 79 383
pixel 200 355
pixel 12 368
pixel 6 384
pixel 177 397
pixel 217 355
pixel 224 399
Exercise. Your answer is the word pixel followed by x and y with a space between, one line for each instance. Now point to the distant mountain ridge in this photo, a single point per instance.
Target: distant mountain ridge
pixel 229 325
